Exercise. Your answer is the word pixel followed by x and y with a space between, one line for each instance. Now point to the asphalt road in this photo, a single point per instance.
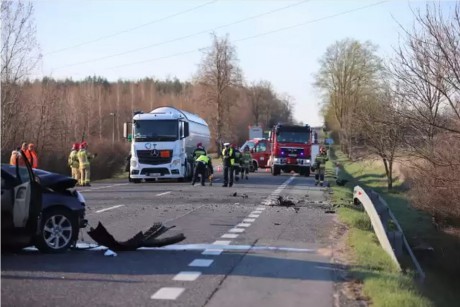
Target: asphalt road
pixel 239 251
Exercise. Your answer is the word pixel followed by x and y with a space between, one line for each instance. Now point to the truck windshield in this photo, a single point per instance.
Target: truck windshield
pixel 293 137
pixel 155 130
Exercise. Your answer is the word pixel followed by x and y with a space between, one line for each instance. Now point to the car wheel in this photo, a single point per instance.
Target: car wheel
pixel 58 231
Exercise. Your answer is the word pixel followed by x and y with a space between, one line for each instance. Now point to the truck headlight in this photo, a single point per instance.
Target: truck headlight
pixel 175 162
pixel 133 163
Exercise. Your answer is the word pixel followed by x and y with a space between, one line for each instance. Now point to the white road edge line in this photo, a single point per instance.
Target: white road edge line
pixel 161 194
pixel 167 293
pixel 109 208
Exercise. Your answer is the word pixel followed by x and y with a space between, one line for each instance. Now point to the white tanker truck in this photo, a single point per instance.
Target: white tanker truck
pixel 162 143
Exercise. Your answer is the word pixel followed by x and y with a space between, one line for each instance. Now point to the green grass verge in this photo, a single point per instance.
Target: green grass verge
pixel 382 282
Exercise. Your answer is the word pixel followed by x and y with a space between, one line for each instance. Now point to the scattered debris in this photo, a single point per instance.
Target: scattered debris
pixel 147 239
pixel 285 202
pixel 329 211
pixel 245 196
pixel 296 209
pixel 234 194
pixel 110 253
pixel 277 224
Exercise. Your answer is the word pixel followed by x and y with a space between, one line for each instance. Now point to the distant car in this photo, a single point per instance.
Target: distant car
pixel 40 208
pixel 260 152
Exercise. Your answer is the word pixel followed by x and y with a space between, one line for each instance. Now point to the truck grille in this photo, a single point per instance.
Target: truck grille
pixel 292 152
pixel 154 157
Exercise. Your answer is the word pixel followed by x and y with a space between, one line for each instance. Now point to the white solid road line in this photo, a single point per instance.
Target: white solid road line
pixel 161 194
pixel 110 208
pixel 167 293
pixel 187 276
pixel 203 263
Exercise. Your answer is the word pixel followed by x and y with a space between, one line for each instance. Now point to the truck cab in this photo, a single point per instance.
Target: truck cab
pixel 260 151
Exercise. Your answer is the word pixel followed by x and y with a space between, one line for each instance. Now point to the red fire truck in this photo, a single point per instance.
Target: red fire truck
pixel 290 149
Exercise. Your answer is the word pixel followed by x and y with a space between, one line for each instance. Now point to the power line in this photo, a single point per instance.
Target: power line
pixel 183 37
pixel 130 29
pixel 257 35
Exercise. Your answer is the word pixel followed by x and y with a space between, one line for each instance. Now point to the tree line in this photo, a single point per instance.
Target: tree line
pixel 404 108
pixel 53 113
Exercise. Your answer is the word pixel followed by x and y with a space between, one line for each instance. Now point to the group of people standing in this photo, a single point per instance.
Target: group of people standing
pixel 29 152
pixel 234 164
pixel 79 162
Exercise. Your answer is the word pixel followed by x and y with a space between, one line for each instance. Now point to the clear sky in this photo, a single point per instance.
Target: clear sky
pixel 279 41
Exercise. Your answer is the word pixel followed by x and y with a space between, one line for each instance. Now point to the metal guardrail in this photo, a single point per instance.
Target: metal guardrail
pixel 382 219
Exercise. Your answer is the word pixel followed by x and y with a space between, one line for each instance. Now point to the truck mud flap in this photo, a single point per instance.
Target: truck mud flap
pixel 147 239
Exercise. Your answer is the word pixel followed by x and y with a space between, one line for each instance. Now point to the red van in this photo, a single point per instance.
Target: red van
pixel 260 152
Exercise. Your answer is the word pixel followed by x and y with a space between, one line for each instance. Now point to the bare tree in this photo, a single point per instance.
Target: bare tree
pixel 260 95
pixel 349 71
pixel 219 71
pixel 19 54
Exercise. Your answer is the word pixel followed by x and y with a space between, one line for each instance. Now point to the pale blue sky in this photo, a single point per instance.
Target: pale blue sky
pixel 288 58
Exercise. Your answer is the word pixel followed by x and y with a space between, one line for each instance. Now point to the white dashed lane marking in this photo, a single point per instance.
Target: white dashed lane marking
pixel 249 220
pixel 187 276
pixel 161 194
pixel 253 216
pixel 110 208
pixel 204 263
pixel 243 225
pixel 229 236
pixel 167 293
pixel 212 252
pixel 222 242
pixel 236 230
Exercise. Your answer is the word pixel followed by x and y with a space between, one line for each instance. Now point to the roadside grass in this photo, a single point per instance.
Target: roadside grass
pixel 383 284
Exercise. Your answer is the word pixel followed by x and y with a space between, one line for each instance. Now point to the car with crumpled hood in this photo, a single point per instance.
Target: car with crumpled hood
pixel 40 208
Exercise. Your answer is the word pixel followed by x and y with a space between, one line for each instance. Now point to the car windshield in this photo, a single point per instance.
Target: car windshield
pixel 249 144
pixel 155 130
pixel 293 137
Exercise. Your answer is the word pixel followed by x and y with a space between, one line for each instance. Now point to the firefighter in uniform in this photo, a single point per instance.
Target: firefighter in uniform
pixel 237 163
pixel 203 165
pixel 84 158
pixel 320 166
pixel 74 163
pixel 245 162
pixel 228 159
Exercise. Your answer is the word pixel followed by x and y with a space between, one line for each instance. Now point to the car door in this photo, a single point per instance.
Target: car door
pixel 27 197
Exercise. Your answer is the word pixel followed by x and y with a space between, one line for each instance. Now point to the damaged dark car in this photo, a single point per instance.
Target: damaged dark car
pixel 39 208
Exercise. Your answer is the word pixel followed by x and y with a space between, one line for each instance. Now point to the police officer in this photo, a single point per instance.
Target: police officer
pixel 228 159
pixel 199 150
pixel 320 166
pixel 202 165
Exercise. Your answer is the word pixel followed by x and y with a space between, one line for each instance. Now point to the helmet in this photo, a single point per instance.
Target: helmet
pixel 226 144
pixel 76 146
pixel 83 144
pixel 199 145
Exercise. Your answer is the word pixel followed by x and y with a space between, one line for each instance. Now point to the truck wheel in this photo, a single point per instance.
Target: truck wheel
pixel 276 170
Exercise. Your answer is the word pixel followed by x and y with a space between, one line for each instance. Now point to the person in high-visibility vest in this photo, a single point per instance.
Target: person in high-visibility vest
pixel 73 162
pixel 32 156
pixel 202 164
pixel 199 150
pixel 228 159
pixel 237 163
pixel 84 158
pixel 320 166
